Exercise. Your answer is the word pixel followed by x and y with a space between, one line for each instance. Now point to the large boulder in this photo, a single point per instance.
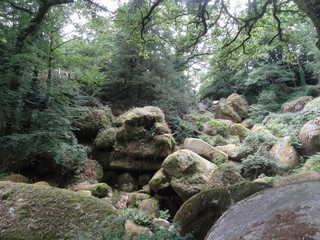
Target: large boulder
pixel 40 212
pixel 189 172
pixel 204 149
pixel 105 139
pixel 199 212
pixel 232 150
pixel 143 141
pixel 224 111
pixel 295 105
pixel 239 104
pixel 286 153
pixel 288 212
pixel 309 136
pixel 239 130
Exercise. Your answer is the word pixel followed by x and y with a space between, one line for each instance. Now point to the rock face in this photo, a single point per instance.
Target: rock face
pixel 293 213
pixel 199 212
pixel 309 136
pixel 40 212
pixel 142 141
pixel 204 149
pixel 224 111
pixel 286 153
pixel 295 105
pixel 189 172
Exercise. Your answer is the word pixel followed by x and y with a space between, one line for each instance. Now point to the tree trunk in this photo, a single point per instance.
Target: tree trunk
pixel 312 9
pixel 301 72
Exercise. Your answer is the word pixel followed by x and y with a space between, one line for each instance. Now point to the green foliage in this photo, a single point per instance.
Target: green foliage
pixel 219 161
pixel 257 141
pixel 313 163
pixel 261 162
pixel 136 215
pixel 182 129
pixel 113 229
pixel 312 91
pixel 164 214
pixel 267 102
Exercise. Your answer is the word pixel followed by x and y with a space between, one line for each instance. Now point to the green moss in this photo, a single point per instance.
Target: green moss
pixel 129 133
pixel 105 139
pixel 165 144
pixel 100 189
pixel 15 178
pixel 161 128
pixel 228 111
pixel 146 116
pixel 239 130
pixel 220 125
pixel 36 212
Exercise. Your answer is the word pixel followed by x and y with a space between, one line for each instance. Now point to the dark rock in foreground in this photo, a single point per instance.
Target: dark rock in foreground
pixel 286 213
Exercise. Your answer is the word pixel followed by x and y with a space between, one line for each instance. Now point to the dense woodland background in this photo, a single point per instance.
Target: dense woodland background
pixel 170 54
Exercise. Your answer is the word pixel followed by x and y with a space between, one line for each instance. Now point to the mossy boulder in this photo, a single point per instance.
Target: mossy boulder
pixel 198 214
pixel 17 178
pixel 224 111
pixel 145 116
pixel 295 105
pixel 189 172
pixel 33 212
pixel 239 104
pixel 239 130
pixel 88 126
pixel 100 189
pixel 160 181
pixel 309 136
pixel 143 141
pixel 105 139
pixel 92 171
pixel 204 149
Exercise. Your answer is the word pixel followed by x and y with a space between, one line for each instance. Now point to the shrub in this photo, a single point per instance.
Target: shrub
pixel 312 91
pixel 261 162
pixel 257 141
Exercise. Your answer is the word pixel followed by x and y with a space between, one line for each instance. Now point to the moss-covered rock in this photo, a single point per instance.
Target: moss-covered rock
pixel 239 130
pixel 105 139
pixel 165 144
pixel 160 181
pixel 198 214
pixel 224 111
pixel 239 104
pixel 17 178
pixel 91 123
pixel 99 189
pixel 131 133
pixel 145 116
pixel 189 172
pixel 33 212
pixel 203 149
